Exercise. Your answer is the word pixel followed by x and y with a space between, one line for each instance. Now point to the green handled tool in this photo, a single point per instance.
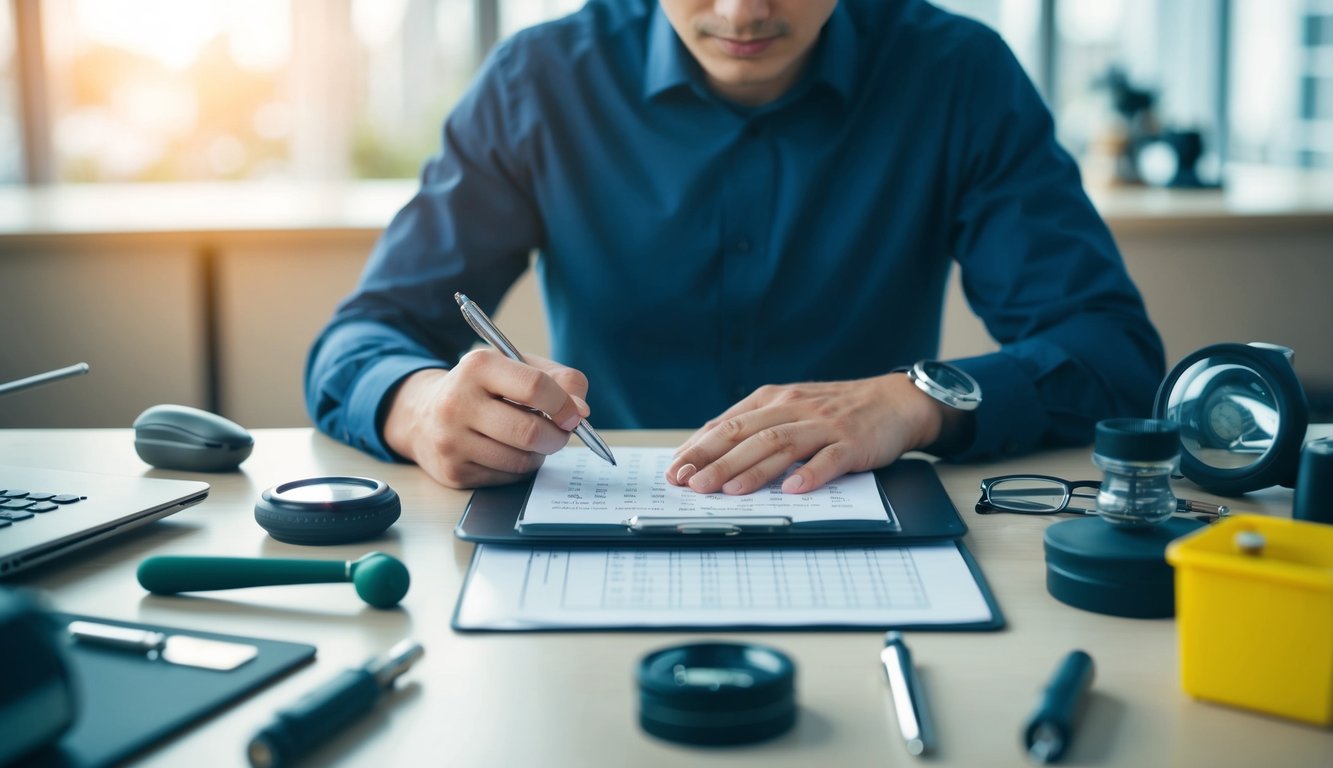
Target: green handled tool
pixel 381 580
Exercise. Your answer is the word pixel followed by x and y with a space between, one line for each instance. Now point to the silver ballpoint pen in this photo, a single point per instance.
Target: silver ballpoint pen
pixel 486 329
pixel 77 369
pixel 913 719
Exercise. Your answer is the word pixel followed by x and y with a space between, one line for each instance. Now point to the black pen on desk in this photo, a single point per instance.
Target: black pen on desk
pixel 1050 729
pixel 485 328
pixel 322 714
pixel 908 702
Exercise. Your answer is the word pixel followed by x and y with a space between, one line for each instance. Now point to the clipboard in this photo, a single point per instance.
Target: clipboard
pixel 688 620
pixel 917 510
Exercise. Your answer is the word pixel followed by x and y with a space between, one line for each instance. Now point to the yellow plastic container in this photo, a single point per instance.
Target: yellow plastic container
pixel 1256 630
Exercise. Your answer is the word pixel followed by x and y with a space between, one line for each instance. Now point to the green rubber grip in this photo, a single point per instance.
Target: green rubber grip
pixel 169 574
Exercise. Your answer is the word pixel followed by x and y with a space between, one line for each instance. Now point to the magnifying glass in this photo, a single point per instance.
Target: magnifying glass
pixel 1242 415
pixel 336 509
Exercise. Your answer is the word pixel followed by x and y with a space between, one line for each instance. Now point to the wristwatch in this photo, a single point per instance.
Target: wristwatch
pixel 947 383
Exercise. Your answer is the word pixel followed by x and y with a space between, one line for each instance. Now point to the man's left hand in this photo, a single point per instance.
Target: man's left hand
pixel 835 427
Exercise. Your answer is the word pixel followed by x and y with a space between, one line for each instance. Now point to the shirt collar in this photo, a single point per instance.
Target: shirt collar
pixel 670 65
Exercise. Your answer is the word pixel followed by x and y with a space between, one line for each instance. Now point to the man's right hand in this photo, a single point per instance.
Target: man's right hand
pixel 485 421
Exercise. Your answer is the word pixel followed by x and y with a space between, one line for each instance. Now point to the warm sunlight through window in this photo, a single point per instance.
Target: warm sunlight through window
pixel 167 90
pixel 331 90
pixel 517 14
pixel 11 133
pixel 158 90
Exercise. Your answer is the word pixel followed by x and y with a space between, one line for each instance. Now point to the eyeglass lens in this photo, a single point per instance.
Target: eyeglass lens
pixel 1032 495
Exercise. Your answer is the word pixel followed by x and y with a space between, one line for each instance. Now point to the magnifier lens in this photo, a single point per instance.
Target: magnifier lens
pixel 1227 412
pixel 330 491
pixel 1242 416
pixel 327 510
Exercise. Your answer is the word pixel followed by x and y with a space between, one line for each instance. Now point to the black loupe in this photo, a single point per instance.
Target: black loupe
pixel 327 510
pixel 1115 562
pixel 717 693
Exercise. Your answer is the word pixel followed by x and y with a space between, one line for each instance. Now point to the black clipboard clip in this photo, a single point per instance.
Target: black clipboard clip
pixel 706 526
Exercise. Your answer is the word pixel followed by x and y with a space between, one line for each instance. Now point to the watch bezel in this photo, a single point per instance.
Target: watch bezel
pixel 958 398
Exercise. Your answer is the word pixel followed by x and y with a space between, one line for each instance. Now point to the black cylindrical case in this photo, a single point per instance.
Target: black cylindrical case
pixel 717 693
pixel 1314 483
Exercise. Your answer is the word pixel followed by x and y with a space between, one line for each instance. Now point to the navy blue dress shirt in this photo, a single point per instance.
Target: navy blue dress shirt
pixel 691 250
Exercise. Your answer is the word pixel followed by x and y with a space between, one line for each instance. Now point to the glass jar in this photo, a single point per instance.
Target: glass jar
pixel 1138 457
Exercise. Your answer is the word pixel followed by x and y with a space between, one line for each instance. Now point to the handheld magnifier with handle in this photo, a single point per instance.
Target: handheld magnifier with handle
pixel 381 580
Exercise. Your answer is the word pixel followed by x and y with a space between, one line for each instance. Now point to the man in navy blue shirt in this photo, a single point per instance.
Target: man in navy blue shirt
pixel 745 213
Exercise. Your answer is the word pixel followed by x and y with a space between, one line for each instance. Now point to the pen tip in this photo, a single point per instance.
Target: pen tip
pixel 1045 749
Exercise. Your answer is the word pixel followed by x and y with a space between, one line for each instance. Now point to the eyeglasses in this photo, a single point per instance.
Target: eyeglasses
pixel 1046 495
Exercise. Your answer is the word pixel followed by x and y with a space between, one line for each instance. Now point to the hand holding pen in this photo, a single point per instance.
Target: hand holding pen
pixel 486 420
pixel 487 330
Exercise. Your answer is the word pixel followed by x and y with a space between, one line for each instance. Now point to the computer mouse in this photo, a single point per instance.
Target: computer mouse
pixel 181 437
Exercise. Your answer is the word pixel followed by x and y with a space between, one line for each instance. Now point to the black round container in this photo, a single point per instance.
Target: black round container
pixel 1113 569
pixel 717 693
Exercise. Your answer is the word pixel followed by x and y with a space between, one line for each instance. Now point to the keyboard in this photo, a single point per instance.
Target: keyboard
pixel 17 505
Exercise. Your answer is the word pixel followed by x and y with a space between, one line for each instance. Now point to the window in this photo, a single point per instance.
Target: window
pixel 416 59
pixel 216 90
pixel 517 14
pixel 1017 21
pixel 200 93
pixel 1281 109
pixel 251 89
pixel 11 130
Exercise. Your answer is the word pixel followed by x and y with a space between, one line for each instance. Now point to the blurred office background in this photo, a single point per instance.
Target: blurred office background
pixel 187 186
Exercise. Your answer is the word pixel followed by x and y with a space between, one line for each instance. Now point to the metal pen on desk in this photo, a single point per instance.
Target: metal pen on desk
pixel 1193 506
pixel 78 369
pixel 323 713
pixel 913 719
pixel 486 329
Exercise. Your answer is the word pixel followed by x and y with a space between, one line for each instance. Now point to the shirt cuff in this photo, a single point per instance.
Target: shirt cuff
pixel 369 398
pixel 1011 418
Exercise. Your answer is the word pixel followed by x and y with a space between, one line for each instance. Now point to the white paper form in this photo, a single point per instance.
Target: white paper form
pixel 524 588
pixel 574 487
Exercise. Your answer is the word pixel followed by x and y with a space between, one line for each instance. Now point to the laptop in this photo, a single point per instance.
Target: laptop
pixel 45 513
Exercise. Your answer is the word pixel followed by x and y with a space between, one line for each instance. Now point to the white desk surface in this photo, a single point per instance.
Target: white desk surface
pixel 568 699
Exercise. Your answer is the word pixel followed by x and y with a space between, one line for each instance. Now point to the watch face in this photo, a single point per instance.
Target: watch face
pixel 948 377
pixel 951 386
pixel 1226 420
